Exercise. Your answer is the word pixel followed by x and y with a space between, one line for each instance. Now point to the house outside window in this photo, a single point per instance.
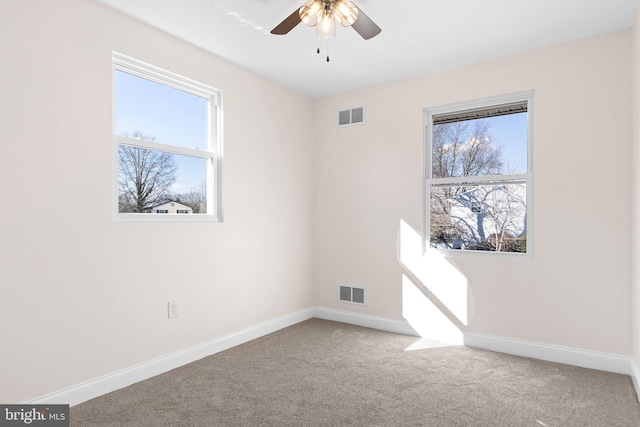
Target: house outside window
pixel 478 176
pixel 167 142
pixel 172 208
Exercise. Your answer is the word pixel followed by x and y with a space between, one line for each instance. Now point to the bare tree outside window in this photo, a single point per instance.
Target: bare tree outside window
pixel 459 149
pixel 481 210
pixel 490 218
pixel 196 198
pixel 145 176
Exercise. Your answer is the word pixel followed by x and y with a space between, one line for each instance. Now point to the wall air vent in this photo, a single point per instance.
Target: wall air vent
pixel 352 116
pixel 351 294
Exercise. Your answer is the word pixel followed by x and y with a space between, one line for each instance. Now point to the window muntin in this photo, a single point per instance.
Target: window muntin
pixel 478 176
pixel 167 144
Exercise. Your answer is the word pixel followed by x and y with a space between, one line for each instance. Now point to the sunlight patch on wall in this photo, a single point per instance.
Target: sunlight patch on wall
pixel 426 319
pixel 432 276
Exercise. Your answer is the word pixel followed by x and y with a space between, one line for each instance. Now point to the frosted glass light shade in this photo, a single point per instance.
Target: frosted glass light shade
pixel 326 24
pixel 310 11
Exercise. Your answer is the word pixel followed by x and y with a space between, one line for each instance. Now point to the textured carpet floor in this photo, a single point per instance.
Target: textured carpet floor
pixel 322 373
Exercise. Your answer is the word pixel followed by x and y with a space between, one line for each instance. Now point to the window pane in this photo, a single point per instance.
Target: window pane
pixel 479 217
pixel 480 147
pixel 153 111
pixel 153 181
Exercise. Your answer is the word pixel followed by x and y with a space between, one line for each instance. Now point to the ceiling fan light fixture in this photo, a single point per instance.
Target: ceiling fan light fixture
pixel 310 12
pixel 326 24
pixel 323 14
pixel 346 11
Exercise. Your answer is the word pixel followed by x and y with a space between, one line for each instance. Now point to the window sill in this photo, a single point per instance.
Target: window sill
pixel 166 218
pixel 462 253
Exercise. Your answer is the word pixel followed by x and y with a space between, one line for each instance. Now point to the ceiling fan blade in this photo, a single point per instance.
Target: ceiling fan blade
pixel 288 24
pixel 365 26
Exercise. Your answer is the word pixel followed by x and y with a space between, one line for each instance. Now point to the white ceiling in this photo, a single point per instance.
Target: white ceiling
pixel 418 36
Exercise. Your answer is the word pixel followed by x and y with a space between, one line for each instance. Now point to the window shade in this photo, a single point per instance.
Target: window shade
pixel 499 110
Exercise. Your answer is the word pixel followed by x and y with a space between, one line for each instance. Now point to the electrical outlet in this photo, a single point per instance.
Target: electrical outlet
pixel 173 309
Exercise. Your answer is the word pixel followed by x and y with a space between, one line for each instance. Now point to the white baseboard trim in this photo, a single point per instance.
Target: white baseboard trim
pixel 552 353
pixel 97 387
pixel 375 322
pixel 635 376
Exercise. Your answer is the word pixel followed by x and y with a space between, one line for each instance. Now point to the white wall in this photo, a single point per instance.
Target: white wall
pixel 83 296
pixel 575 290
pixel 636 196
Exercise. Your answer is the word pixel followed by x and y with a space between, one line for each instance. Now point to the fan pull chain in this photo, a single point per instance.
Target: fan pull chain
pixel 318 48
pixel 327 49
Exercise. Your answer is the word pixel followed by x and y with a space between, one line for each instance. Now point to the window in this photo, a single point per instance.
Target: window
pixel 167 144
pixel 478 176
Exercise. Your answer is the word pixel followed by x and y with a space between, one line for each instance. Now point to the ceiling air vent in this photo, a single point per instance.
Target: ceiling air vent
pixel 352 116
pixel 351 294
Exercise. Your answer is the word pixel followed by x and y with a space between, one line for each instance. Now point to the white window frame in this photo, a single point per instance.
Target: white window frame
pixel 213 153
pixel 429 181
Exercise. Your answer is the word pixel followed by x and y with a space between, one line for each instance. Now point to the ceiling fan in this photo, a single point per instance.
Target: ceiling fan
pixel 323 14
